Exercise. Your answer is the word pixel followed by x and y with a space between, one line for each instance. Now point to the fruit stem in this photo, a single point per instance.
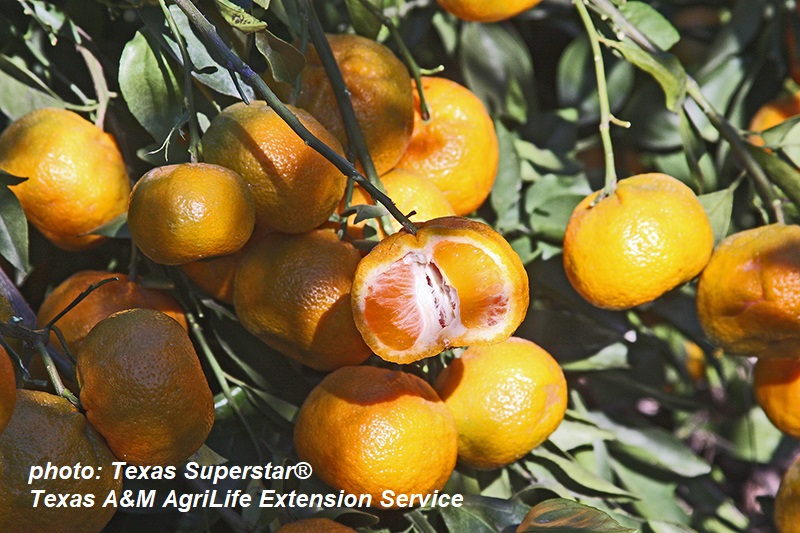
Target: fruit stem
pixel 78 299
pixel 728 132
pixel 55 379
pixel 411 63
pixel 355 135
pixel 188 100
pixel 233 63
pixel 602 96
pixel 200 338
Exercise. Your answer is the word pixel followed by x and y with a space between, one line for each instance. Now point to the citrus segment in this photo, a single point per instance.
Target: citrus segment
pixel 455 283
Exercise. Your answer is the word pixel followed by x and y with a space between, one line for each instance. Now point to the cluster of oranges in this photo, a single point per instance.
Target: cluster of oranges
pixel 252 227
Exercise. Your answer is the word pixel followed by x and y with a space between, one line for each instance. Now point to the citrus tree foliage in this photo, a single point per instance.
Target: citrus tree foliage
pixel 662 432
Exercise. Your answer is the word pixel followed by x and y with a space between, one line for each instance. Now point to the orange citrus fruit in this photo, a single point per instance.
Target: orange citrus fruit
pixel 47 429
pixel 506 399
pixel 8 388
pixel 456 282
pixel 105 300
pixel 776 383
pixel 77 179
pixel 645 239
pixel 367 430
pixel 295 188
pixel 483 11
pixel 217 274
pixel 182 213
pixel 773 113
pixel 787 501
pixel 293 292
pixel 410 192
pixel 747 297
pixel 379 89
pixel 457 147
pixel 315 525
pixel 143 388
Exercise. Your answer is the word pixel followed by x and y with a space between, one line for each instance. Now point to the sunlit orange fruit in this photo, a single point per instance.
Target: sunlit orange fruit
pixel 456 282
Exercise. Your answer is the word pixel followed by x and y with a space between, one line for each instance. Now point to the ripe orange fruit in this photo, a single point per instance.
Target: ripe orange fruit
pixel 747 298
pixel 631 247
pixel 483 11
pixel 506 399
pixel 217 274
pixel 105 300
pixel 8 388
pixel 143 388
pixel 787 501
pixel 293 292
pixel 181 213
pixel 295 188
pixel 776 383
pixel 456 282
pixel 47 429
pixel 773 113
pixel 366 430
pixel 380 92
pixel 457 147
pixel 315 525
pixel 410 192
pixel 77 179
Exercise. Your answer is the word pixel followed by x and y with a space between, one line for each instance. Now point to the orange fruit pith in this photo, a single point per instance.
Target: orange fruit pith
pixel 77 180
pixel 483 11
pixel 48 429
pixel 456 282
pixel 773 113
pixel 295 188
pixel 315 525
pixel 787 501
pixel 651 235
pixel 457 147
pixel 366 430
pixel 506 398
pixel 747 297
pixel 410 192
pixel 379 86
pixel 143 388
pixel 109 298
pixel 203 210
pixel 776 383
pixel 293 292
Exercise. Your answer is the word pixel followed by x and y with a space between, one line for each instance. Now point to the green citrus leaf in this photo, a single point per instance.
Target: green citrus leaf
pixel 781 173
pixel 285 61
pixel 13 225
pixel 579 475
pixel 651 23
pixel 238 17
pixel 364 22
pixel 480 514
pixel 567 516
pixel 718 206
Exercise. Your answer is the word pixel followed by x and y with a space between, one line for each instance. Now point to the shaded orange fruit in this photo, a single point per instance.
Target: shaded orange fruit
pixel 295 188
pixel 506 399
pixel 380 92
pixel 483 11
pixel 367 430
pixel 77 179
pixel 787 501
pixel 105 300
pixel 293 293
pixel 773 113
pixel 217 274
pixel 776 383
pixel 456 282
pixel 182 213
pixel 457 147
pixel 315 525
pixel 8 388
pixel 645 239
pixel 410 192
pixel 747 297
pixel 143 388
pixel 47 429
